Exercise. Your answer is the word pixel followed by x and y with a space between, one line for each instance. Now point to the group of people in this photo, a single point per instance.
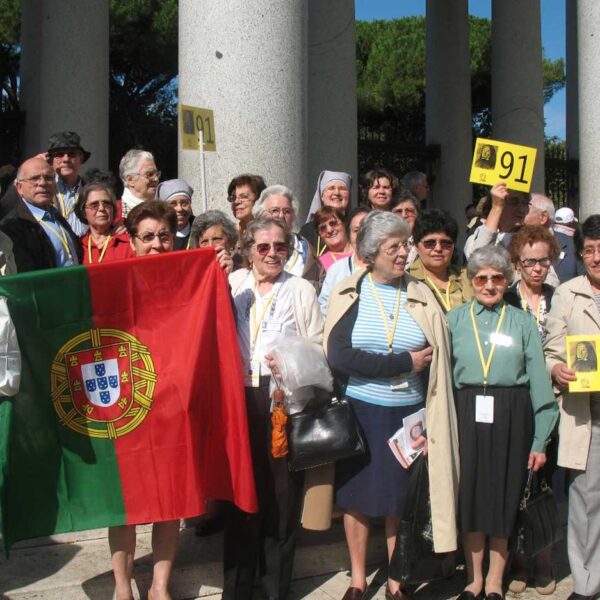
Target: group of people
pixel 380 289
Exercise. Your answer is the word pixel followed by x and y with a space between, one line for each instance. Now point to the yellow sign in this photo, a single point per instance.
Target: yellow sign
pixel 192 121
pixel 582 357
pixel 500 162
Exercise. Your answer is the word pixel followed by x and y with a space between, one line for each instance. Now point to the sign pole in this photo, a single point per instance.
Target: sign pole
pixel 202 169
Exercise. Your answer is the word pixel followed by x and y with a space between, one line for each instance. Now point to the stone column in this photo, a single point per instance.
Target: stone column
pixel 64 74
pixel 448 103
pixel 247 62
pixel 517 78
pixel 332 113
pixel 588 44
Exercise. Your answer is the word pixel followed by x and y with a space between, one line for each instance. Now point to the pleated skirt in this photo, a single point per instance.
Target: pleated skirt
pixel 493 459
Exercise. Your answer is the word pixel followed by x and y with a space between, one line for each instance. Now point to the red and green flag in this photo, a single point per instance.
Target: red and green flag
pixel 131 405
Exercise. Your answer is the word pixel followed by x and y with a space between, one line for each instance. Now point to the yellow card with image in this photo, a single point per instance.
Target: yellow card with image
pixel 495 161
pixel 582 357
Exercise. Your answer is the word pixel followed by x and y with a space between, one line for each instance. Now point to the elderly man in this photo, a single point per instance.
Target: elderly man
pixel 178 195
pixel 416 183
pixel 65 155
pixel 41 237
pixel 278 201
pixel 542 212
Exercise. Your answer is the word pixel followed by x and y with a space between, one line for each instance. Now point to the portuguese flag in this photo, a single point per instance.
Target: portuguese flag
pixel 131 406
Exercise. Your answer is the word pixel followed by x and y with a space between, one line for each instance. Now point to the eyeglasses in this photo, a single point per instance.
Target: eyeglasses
pixel 165 237
pixel 38 178
pixel 69 153
pixel 589 251
pixel 529 263
pixel 395 248
pixel 275 212
pixel 404 211
pixel 240 198
pixel 330 223
pixel 96 204
pixel 445 245
pixel 279 248
pixel 150 175
pixel 481 280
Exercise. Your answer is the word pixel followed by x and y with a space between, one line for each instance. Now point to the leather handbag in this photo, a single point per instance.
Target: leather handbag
pixel 538 522
pixel 326 431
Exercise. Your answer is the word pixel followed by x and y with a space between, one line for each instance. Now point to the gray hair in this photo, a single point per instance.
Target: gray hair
pixel 375 229
pixel 209 219
pixel 261 223
pixel 544 204
pixel 276 190
pixel 490 257
pixel 131 161
pixel 412 178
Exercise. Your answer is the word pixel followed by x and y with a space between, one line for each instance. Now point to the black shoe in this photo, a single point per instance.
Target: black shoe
pixel 210 525
pixel 576 596
pixel 466 595
pixel 494 596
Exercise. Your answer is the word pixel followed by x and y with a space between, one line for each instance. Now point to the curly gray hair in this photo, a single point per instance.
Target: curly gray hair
pixel 261 223
pixel 375 229
pixel 208 219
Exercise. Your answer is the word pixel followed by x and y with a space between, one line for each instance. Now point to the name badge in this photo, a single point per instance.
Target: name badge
pixel 484 409
pixel 561 255
pixel 272 326
pixel 252 374
pixel 500 339
pixel 398 383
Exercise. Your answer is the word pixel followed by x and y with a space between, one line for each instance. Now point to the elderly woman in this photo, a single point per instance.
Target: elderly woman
pixel 178 195
pixel 213 229
pixel 434 235
pixel 271 305
pixel 575 311
pixel 97 207
pixel 378 187
pixel 381 330
pixel 344 268
pixel 333 189
pixel 506 412
pixel 407 206
pixel 279 202
pixel 330 225
pixel 140 178
pixel 151 226
pixel 242 193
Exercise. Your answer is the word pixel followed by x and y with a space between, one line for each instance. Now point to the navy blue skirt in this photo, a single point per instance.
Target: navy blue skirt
pixel 375 483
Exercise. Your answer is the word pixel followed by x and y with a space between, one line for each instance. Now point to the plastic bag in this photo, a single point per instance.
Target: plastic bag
pixel 10 355
pixel 301 364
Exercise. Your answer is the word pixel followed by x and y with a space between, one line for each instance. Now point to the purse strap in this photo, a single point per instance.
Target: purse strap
pixel 543 485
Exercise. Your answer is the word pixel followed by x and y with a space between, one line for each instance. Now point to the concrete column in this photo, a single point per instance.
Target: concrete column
pixel 572 107
pixel 332 112
pixel 588 43
pixel 247 62
pixel 64 74
pixel 448 103
pixel 517 78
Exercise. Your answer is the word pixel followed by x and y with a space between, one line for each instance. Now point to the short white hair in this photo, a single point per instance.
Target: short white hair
pixel 131 161
pixel 544 204
pixel 375 229
pixel 276 190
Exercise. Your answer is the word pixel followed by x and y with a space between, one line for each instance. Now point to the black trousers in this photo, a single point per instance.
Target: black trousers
pixel 266 540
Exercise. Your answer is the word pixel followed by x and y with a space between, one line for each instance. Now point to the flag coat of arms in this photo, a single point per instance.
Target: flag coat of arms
pixel 131 403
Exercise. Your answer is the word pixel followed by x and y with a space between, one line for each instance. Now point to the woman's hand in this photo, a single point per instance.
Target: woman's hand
pixel 536 460
pixel 272 363
pixel 421 359
pixel 561 375
pixel 225 260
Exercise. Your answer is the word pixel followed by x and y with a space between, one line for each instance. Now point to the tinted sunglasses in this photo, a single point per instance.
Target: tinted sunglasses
pixel 278 247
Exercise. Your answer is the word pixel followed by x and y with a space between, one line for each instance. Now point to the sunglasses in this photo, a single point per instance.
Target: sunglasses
pixel 96 204
pixel 264 248
pixel 481 280
pixel 330 223
pixel 431 244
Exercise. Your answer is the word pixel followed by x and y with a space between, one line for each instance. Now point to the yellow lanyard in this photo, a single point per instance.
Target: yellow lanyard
pixel 257 323
pixel 63 206
pixel 102 252
pixel 485 364
pixel 60 234
pixel 295 256
pixel 525 306
pixel 445 301
pixel 320 250
pixel 389 334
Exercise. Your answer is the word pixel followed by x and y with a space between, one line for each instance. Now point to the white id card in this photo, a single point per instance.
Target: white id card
pixel 276 326
pixel 484 409
pixel 252 374
pixel 398 383
pixel 500 339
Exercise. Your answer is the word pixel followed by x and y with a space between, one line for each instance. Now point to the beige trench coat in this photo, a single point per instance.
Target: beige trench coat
pixel 573 312
pixel 441 416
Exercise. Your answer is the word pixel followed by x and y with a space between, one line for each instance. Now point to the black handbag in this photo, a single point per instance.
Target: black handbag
pixel 414 560
pixel 538 522
pixel 325 431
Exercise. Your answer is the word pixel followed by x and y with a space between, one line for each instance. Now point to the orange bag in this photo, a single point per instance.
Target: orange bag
pixel 279 442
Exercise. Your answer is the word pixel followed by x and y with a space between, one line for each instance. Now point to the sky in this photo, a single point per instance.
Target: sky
pixel 553 38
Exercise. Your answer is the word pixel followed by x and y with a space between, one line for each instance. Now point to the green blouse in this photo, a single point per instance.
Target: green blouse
pixel 518 360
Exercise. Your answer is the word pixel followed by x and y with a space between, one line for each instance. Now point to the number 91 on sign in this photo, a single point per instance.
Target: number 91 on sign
pixel 193 120
pixel 501 162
